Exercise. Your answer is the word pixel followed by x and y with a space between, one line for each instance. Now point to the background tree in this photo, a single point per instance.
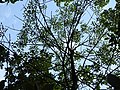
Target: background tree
pixel 109 19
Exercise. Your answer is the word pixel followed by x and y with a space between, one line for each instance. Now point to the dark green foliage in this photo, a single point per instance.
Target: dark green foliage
pixel 58 2
pixel 100 3
pixel 110 19
pixel 2 84
pixel 114 81
pixel 2 53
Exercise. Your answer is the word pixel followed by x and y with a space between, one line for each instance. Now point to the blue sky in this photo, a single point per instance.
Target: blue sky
pixel 7 16
pixel 7 12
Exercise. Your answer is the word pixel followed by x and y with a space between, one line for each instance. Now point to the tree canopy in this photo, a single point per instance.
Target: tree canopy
pixel 66 50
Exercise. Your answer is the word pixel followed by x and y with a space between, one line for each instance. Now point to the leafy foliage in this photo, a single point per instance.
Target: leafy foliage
pixel 101 3
pixel 110 20
pixel 62 51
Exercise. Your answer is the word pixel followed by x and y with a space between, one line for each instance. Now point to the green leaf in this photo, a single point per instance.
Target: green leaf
pixel 100 3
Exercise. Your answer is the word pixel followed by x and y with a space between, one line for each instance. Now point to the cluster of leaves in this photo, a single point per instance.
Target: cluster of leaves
pixel 97 3
pixel 30 70
pixel 101 4
pixel 3 55
pixel 110 20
